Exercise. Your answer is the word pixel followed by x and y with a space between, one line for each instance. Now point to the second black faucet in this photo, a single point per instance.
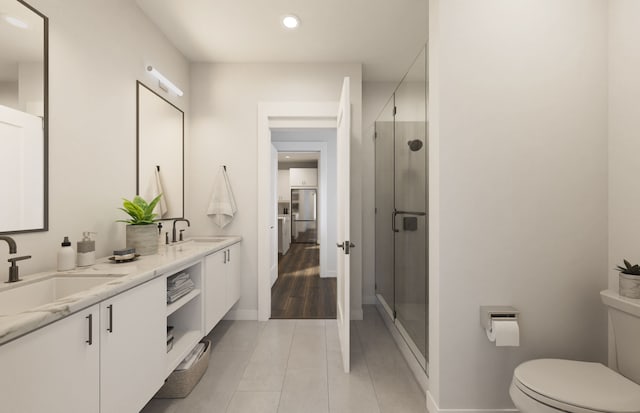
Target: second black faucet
pixel 173 232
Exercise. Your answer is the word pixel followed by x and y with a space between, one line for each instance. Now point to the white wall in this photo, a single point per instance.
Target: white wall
pixel 224 102
pixel 519 198
pixel 97 50
pixel 624 142
pixel 9 94
pixel 30 87
pixel 374 96
pixel 624 124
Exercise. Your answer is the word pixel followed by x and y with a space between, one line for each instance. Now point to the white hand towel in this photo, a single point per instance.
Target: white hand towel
pixel 156 189
pixel 222 205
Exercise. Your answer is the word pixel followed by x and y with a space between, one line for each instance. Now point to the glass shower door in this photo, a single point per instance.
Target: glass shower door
pixel 384 207
pixel 410 214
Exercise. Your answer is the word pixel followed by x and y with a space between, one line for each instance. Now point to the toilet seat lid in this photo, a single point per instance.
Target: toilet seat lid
pixel 576 383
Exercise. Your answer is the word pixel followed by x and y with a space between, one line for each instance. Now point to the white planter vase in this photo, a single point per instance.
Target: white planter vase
pixel 629 285
pixel 144 238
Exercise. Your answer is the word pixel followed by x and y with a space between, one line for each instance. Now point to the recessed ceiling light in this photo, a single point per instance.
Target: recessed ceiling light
pixel 290 21
pixel 15 22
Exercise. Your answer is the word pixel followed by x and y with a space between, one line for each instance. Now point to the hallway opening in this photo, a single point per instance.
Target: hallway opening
pixel 305 286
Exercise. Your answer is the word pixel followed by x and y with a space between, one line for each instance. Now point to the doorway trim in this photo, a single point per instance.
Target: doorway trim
pixel 279 115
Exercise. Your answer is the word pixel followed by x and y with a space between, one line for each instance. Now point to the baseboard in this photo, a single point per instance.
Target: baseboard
pixel 329 274
pixel 242 315
pixel 414 365
pixel 357 314
pixel 412 346
pixel 432 407
pixel 369 299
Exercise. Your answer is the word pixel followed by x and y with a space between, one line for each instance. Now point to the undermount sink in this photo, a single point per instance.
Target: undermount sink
pixel 46 291
pixel 198 242
pixel 208 240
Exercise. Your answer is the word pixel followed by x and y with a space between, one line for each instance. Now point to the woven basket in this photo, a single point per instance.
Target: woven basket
pixel 180 383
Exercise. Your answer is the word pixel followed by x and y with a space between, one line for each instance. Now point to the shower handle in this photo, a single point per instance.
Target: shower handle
pixel 420 214
pixel 393 221
pixel 396 212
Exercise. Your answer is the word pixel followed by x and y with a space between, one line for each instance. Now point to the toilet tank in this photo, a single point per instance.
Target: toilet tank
pixel 624 316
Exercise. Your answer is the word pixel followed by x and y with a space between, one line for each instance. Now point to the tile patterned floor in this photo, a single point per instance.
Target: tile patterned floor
pixel 294 366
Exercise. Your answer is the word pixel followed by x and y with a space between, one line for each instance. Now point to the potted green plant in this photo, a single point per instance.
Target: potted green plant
pixel 141 229
pixel 629 281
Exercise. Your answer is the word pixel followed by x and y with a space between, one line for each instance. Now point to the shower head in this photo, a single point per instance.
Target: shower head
pixel 415 145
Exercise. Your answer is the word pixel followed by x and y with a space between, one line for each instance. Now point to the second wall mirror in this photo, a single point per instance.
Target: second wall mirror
pixel 23 118
pixel 160 147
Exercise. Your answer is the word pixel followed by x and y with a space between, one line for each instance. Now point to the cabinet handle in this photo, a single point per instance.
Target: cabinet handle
pixel 90 340
pixel 225 256
pixel 110 328
pixel 229 255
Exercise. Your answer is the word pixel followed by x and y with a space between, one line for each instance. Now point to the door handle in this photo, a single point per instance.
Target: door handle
pixel 393 221
pixel 346 246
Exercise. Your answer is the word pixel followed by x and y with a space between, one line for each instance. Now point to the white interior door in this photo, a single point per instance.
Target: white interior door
pixel 344 240
pixel 273 216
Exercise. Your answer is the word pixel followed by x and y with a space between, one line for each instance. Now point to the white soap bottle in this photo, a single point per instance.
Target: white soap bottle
pixel 66 256
pixel 86 250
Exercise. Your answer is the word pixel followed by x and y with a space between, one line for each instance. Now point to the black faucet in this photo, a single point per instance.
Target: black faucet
pixel 173 239
pixel 13 270
pixel 12 244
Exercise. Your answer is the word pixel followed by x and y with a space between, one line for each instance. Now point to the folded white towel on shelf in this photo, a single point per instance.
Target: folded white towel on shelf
pixel 222 205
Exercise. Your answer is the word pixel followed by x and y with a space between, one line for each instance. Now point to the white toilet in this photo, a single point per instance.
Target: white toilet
pixel 552 385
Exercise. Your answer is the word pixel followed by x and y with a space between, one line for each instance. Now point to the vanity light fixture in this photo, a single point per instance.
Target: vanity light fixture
pixel 287 156
pixel 291 21
pixel 14 21
pixel 164 83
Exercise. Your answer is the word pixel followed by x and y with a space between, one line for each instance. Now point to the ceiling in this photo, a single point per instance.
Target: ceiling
pixel 284 157
pixel 383 35
pixel 19 45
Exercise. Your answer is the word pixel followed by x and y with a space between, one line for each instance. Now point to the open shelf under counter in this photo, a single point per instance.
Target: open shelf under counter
pixel 173 307
pixel 183 343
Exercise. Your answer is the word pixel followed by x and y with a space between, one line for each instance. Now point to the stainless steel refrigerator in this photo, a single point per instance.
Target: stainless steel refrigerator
pixel 304 216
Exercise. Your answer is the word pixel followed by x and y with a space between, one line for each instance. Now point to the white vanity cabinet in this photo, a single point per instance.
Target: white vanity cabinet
pixel 303 177
pixel 222 284
pixel 185 317
pixel 215 291
pixel 132 347
pixel 233 276
pixel 55 369
pixel 113 356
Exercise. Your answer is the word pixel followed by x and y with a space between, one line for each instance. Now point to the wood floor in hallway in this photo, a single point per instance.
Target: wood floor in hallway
pixel 299 291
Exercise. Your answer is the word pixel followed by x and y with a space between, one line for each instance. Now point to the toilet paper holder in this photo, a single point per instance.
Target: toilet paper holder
pixel 496 312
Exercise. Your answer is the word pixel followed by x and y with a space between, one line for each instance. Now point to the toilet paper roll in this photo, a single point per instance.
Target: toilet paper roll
pixel 504 333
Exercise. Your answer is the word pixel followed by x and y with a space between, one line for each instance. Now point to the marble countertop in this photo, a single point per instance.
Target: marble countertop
pixel 125 276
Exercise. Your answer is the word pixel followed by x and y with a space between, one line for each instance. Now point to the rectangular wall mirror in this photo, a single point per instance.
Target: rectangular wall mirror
pixel 23 118
pixel 160 152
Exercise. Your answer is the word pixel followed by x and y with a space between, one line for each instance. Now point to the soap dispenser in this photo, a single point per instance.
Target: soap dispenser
pixel 66 256
pixel 86 250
